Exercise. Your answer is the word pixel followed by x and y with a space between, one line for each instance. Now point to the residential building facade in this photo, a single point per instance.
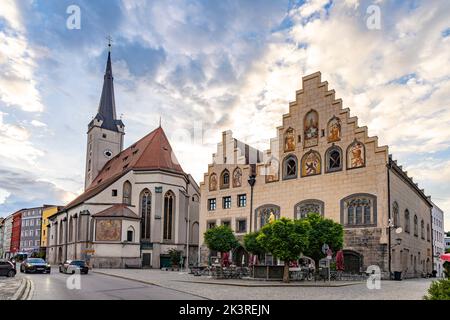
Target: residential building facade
pixel 31 230
pixel 7 233
pixel 438 239
pixel 138 203
pixel 2 231
pixel 16 232
pixel 47 211
pixel 322 161
pixel 447 243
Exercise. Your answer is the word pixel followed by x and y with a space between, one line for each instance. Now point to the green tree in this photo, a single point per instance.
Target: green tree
pixel 175 257
pixel 220 239
pixel 252 245
pixel 323 231
pixel 439 290
pixel 285 239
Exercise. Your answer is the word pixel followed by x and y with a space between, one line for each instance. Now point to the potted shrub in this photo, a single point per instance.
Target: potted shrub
pixel 175 258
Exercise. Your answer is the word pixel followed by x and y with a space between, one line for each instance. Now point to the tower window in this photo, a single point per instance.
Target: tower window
pixel 104 136
pixel 114 193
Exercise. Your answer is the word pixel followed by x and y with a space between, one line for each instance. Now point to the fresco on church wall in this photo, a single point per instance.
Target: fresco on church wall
pixel 108 230
pixel 311 126
pixel 289 140
pixel 334 130
pixel 213 182
pixel 272 170
pixel 311 164
pixel 237 177
pixel 356 155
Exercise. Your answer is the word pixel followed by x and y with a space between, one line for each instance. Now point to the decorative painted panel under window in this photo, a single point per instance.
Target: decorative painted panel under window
pixel 264 213
pixel 359 210
pixel 168 215
pixel 290 167
pixel 303 208
pixel 146 210
pixel 127 193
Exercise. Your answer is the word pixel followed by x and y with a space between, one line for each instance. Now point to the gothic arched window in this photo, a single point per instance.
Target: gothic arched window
pixel 416 226
pixel 126 199
pixel 225 179
pixel 146 210
pixel 359 209
pixel 305 207
pixel 262 214
pixel 422 229
pixel 407 221
pixel 70 229
pixel 396 214
pixel 169 201
pixel 428 232
pixel 290 167
pixel 333 158
pixel 130 234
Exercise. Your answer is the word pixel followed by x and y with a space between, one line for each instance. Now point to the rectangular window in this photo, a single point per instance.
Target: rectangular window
pixel 31 222
pixel 114 192
pixel 211 224
pixel 226 202
pixel 241 226
pixel 226 223
pixel 130 235
pixel 212 204
pixel 366 215
pixel 242 200
pixel 37 232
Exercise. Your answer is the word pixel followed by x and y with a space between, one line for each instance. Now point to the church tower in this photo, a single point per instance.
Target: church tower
pixel 105 131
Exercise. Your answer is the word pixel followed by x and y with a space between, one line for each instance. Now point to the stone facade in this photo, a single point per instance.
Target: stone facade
pixel 438 239
pixel 320 159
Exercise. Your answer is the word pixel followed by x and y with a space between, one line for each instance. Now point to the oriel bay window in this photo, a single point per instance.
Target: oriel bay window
pixel 359 210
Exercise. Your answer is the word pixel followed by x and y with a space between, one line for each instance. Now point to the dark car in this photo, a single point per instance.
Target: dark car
pixel 35 265
pixel 7 268
pixel 73 266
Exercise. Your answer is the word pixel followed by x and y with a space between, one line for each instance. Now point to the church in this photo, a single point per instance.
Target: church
pixel 138 203
pixel 322 161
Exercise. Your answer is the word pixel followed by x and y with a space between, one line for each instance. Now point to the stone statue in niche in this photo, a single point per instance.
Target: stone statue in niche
pixel 311 129
pixel 289 140
pixel 334 130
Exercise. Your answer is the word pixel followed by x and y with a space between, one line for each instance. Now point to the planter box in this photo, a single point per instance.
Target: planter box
pixel 268 272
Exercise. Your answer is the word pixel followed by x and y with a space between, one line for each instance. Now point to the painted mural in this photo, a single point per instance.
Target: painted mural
pixel 356 155
pixel 289 140
pixel 237 177
pixel 213 182
pixel 311 164
pixel 108 230
pixel 334 130
pixel 311 129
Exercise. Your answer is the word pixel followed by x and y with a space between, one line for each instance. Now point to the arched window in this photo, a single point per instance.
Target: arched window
pixel 290 167
pixel 311 164
pixel 169 201
pixel 262 214
pixel 70 229
pixel 61 232
pixel 130 234
pixel 146 210
pixel 127 193
pixel 305 207
pixel 359 210
pixel 407 221
pixel 422 229
pixel 333 158
pixel 225 179
pixel 428 232
pixel 396 214
pixel 416 226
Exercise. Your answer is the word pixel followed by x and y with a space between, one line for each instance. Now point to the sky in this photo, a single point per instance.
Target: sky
pixel 209 66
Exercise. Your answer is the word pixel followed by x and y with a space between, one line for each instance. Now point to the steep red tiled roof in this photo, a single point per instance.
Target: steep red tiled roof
pixel 117 210
pixel 152 152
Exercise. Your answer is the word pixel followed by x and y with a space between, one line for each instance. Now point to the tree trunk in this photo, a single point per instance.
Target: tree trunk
pixel 286 272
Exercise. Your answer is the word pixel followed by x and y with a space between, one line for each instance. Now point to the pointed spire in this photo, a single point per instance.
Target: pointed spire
pixel 107 106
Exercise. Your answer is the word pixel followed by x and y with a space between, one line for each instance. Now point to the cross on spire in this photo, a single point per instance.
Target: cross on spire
pixel 110 41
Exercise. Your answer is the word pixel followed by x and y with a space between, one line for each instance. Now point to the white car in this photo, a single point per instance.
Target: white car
pixel 74 266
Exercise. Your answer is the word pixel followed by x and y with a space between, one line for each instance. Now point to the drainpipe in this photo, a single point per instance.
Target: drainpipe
pixel 389 219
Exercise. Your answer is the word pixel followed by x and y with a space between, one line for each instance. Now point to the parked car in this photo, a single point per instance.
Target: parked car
pixel 35 265
pixel 7 268
pixel 72 266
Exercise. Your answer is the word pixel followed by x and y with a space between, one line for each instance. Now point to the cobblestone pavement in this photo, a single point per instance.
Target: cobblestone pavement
pixel 390 290
pixel 8 287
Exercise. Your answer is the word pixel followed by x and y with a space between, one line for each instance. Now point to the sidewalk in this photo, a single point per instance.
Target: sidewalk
pixel 14 288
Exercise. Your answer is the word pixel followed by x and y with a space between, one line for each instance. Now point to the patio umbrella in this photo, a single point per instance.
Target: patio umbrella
pixel 445 257
pixel 340 260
